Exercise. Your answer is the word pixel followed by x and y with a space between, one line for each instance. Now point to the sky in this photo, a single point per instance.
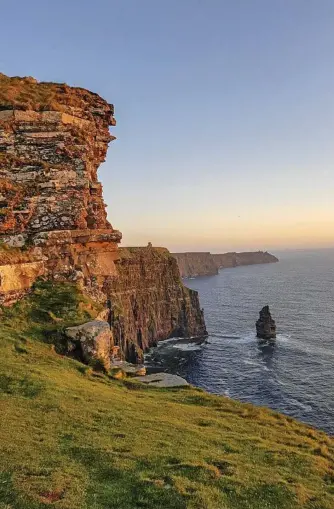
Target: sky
pixel 224 108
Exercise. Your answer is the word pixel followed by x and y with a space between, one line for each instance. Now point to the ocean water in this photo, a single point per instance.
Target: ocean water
pixel 296 374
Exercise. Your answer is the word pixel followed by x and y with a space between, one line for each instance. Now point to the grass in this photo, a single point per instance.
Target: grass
pixel 157 252
pixel 28 94
pixel 71 438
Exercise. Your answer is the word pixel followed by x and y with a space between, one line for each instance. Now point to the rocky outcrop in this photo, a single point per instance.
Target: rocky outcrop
pixel 52 141
pixel 149 301
pixel 53 221
pixel 226 260
pixel 265 325
pixel 196 264
pixel 93 342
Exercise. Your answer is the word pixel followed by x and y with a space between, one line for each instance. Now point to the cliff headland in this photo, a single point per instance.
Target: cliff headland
pixel 195 264
pixel 53 222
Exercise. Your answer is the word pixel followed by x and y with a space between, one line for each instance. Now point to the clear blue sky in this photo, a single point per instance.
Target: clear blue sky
pixel 225 112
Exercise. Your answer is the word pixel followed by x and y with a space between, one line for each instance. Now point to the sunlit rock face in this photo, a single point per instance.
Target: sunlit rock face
pixel 52 140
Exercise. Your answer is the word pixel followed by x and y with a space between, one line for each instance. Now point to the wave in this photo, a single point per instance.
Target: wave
pixel 187 347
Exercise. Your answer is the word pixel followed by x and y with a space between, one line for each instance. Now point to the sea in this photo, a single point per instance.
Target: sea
pixel 295 374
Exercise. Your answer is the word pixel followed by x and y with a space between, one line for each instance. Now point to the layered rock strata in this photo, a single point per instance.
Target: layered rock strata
pixel 53 221
pixel 149 301
pixel 52 140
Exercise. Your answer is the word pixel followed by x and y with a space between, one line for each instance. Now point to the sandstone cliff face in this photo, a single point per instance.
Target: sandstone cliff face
pixel 150 302
pixel 50 148
pixel 53 221
pixel 52 140
pixel 196 264
pixel 226 260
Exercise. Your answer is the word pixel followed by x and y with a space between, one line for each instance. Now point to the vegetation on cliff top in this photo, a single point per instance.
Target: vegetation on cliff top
pixel 128 252
pixel 71 438
pixel 26 93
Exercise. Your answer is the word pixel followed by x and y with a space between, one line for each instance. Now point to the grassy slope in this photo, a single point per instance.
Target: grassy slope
pixel 74 439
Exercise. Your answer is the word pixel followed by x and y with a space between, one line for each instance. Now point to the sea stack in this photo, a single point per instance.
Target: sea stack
pixel 265 325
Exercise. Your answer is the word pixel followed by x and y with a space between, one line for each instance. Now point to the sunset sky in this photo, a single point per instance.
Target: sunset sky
pixel 225 112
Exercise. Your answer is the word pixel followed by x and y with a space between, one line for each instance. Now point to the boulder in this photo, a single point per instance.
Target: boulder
pixel 162 380
pixel 265 325
pixel 95 342
pixel 128 369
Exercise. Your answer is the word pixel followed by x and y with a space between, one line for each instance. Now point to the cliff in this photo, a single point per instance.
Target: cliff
pixel 226 260
pixel 53 222
pixel 52 140
pixel 150 301
pixel 196 264
pixel 207 264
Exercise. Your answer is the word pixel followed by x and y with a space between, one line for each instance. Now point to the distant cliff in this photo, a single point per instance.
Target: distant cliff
pixel 207 264
pixel 225 260
pixel 196 264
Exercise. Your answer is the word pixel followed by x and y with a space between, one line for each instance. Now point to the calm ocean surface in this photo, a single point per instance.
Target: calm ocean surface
pixel 295 375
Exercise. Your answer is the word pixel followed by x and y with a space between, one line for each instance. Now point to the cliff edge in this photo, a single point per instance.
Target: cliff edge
pixel 53 222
